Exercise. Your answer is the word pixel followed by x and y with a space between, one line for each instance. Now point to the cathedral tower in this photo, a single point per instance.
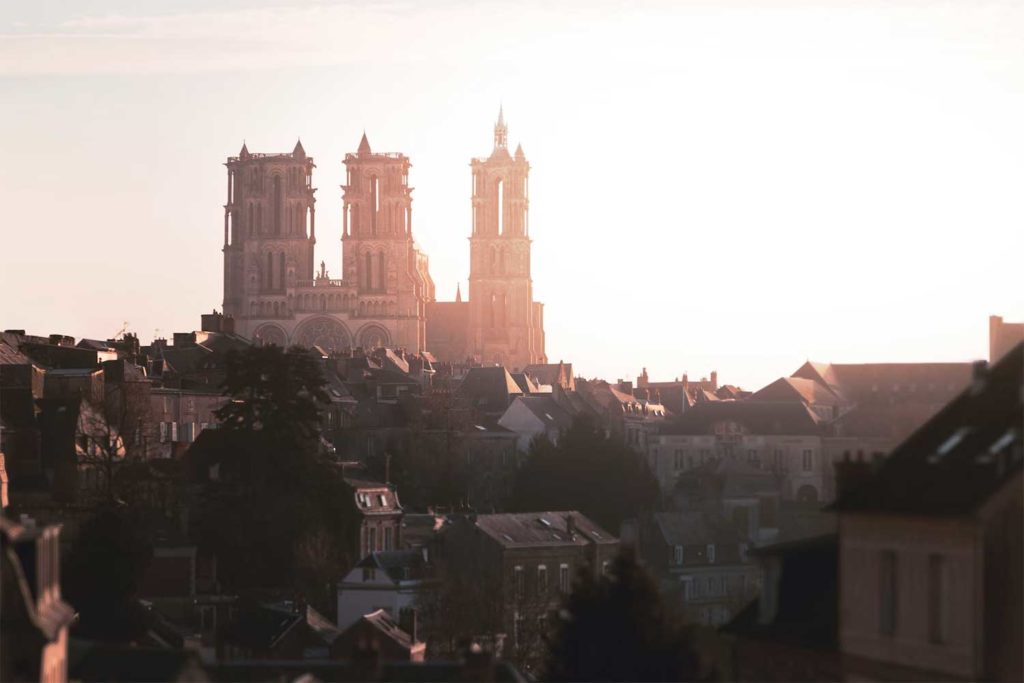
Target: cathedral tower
pixel 379 257
pixel 269 229
pixel 505 324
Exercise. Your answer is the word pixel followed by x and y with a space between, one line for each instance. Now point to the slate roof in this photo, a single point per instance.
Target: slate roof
pixel 957 459
pixel 696 527
pixel 547 411
pixel 524 383
pixel 260 627
pixel 399 565
pixel 490 388
pixel 550 373
pixel 528 529
pixel 757 417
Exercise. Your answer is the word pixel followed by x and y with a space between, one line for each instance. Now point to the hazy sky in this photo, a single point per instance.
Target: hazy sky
pixel 736 186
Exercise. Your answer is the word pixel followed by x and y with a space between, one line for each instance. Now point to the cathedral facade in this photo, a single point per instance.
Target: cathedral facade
pixel 385 297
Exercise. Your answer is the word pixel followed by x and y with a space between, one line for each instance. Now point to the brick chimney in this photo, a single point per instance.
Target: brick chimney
pixel 851 474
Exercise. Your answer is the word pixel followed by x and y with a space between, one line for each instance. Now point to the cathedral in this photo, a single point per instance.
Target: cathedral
pixel 277 294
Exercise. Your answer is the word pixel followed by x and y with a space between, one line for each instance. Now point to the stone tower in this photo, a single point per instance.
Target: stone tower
pixel 378 252
pixel 505 324
pixel 269 230
pixel 272 287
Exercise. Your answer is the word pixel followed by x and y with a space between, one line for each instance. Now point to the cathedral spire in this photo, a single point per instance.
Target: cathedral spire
pixel 245 151
pixel 299 152
pixel 364 145
pixel 501 130
pixel 458 292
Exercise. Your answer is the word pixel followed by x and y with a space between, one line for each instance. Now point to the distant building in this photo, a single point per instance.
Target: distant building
pixel 531 417
pixel 389 579
pixel 381 525
pixel 780 437
pixel 275 294
pixel 931 543
pixel 526 561
pixel 387 638
pixel 700 557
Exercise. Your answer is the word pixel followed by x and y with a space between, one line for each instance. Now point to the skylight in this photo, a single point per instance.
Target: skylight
pixel 947 446
pixel 1003 441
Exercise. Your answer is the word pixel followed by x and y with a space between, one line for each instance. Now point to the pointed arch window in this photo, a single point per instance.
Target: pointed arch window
pixel 499 197
pixel 269 284
pixel 281 272
pixel 374 203
pixel 381 272
pixel 368 272
pixel 278 204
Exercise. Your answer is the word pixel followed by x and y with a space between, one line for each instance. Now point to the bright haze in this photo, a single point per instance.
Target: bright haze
pixel 736 186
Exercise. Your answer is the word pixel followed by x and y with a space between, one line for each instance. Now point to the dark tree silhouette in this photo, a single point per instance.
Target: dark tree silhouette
pixel 103 571
pixel 277 514
pixel 587 471
pixel 617 628
pixel 279 393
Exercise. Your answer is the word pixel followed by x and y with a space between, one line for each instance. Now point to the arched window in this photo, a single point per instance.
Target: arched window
pixel 374 204
pixel 270 271
pixel 281 273
pixel 259 218
pixel 278 204
pixel 494 305
pixel 323 302
pixel 369 271
pixel 252 220
pixel 499 202
pixel 382 277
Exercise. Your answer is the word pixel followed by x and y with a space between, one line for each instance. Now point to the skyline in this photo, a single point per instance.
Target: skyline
pixel 919 133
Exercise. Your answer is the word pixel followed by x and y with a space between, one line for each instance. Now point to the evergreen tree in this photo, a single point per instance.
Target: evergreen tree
pixel 587 471
pixel 617 628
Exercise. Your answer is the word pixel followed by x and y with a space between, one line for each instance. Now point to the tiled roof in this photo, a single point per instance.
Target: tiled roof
pixel 541 529
pixel 757 417
pixel 797 388
pixel 960 457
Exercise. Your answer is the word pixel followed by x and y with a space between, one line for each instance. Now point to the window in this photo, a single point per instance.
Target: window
pixel 387 538
pixel 808 460
pixel 887 593
pixel 936 594
pixel 711 553
pixel 520 584
pixel 373 539
pixel 542 580
pixel 563 578
pixel 678 555
pixel 605 564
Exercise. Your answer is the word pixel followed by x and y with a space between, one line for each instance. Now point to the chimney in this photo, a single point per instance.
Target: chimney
pixel 714 380
pixel 407 619
pixel 979 373
pixel 570 525
pixel 851 474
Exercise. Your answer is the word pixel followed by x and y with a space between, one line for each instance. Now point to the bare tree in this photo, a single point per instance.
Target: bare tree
pixel 112 432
